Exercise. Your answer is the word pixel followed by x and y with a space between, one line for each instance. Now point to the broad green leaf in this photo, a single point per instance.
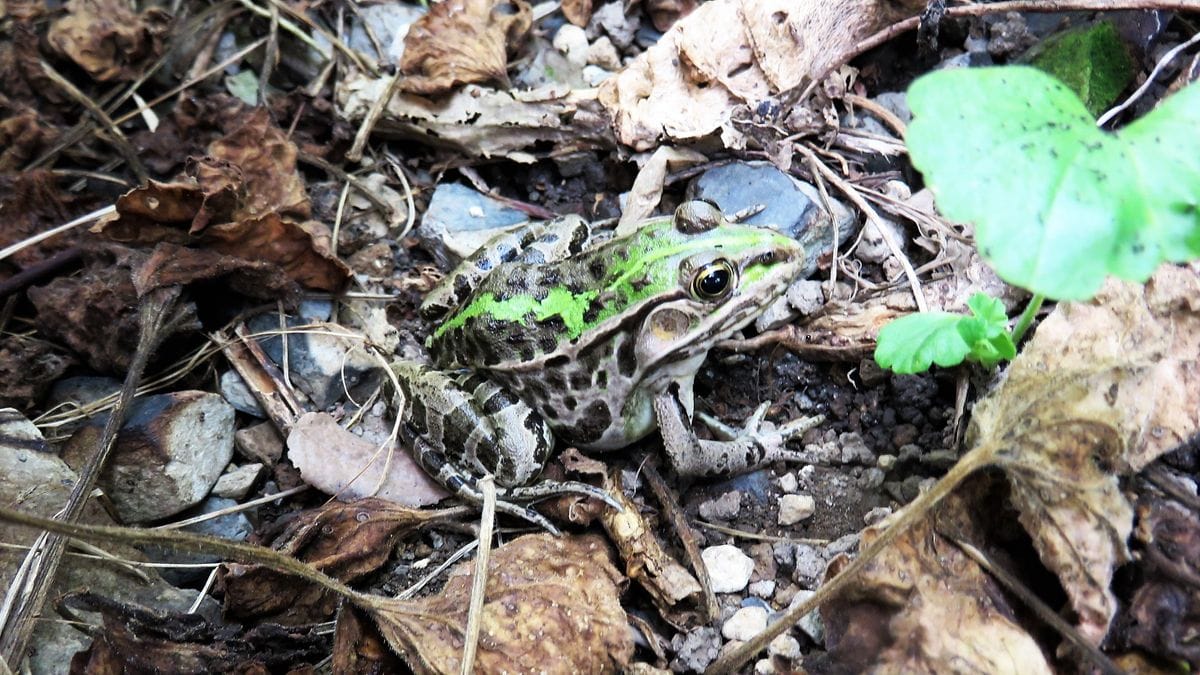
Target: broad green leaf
pixel 1057 203
pixel 1092 61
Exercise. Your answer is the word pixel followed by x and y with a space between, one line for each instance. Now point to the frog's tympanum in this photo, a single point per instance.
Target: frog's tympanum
pixel 553 332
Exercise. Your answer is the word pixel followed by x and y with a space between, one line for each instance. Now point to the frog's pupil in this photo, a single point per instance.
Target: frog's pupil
pixel 715 281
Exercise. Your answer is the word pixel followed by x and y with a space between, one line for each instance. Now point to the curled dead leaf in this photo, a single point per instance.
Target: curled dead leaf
pixel 734 52
pixel 258 157
pixel 463 42
pixel 551 605
pixel 1102 389
pixel 344 540
pixel 107 39
pixel 923 606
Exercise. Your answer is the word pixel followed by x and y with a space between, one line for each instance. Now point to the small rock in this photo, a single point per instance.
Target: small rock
pixel 762 589
pixel 871 478
pixel 896 102
pixel 725 507
pixel 82 390
pixel 594 75
pixel 876 515
pixel 869 372
pixel 695 650
pixel 168 454
pixel 763 555
pixel 603 54
pixel 886 462
pixel 234 389
pixel 904 434
pixel 745 624
pixel 232 526
pixel 728 568
pixel 754 486
pixel 788 483
pixel 795 508
pixel 323 364
pixel 854 449
pixel 809 566
pixel 873 248
pixel 810 623
pixel 611 19
pixel 260 443
pixel 784 646
pixel 459 220
pixel 784 552
pixel 764 667
pixel 806 296
pixel 236 483
pixel 909 453
pixel 573 43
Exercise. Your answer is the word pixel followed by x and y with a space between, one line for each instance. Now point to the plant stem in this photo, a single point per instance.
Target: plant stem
pixel 1023 323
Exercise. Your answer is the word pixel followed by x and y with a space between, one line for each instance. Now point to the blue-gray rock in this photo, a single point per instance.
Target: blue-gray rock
pixel 234 389
pixel 459 220
pixel 323 365
pixel 232 526
pixel 792 207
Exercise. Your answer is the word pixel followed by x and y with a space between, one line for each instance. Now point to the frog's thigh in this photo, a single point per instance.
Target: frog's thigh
pixel 466 424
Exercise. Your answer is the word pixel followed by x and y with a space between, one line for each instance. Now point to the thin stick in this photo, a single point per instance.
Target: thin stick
pixel 487 524
pixel 1141 91
pixel 55 231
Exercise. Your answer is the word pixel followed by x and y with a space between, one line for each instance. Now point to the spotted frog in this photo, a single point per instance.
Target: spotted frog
pixel 556 331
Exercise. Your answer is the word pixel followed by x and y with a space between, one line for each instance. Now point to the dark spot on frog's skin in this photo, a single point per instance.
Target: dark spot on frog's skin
pixel 547 343
pixel 596 268
pixel 486 453
pixel 600 379
pixel 639 284
pixel 580 381
pixel 527 352
pixel 626 358
pixel 593 311
pixel 483 264
pixel 549 412
pixel 555 380
pixel 557 361
pixel 595 421
pixel 533 256
pixel 536 390
pixel 417 416
pixel 579 237
pixel 510 255
pixel 570 402
pixel 496 402
pixel 550 277
pixel 462 287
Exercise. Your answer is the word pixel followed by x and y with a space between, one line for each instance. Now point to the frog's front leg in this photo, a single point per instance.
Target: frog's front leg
pixel 462 426
pixel 740 450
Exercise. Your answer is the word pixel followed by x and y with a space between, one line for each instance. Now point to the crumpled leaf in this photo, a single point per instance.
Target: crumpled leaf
pixel 140 640
pixel 1101 390
pixel 345 541
pixel 246 201
pixel 551 606
pixel 463 42
pixel 107 39
pixel 729 53
pixel 1163 617
pixel 27 369
pixel 93 312
pixel 337 462
pixel 923 606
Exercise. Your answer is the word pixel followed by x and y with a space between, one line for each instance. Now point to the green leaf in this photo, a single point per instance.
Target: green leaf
pixel 1091 60
pixel 1057 203
pixel 912 343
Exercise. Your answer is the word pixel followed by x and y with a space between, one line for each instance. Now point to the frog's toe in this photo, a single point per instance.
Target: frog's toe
pixel 557 488
pixel 526 513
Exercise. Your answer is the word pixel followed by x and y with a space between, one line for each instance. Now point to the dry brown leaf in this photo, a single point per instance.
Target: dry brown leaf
pixel 106 38
pixel 463 42
pixel 485 122
pixel 345 541
pixel 733 52
pixel 259 159
pixel 578 12
pixel 923 606
pixel 136 639
pixel 27 369
pixel 664 13
pixel 1102 389
pixel 551 606
pixel 337 462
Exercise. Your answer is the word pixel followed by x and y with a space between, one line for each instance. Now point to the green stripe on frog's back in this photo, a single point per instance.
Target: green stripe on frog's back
pixel 538 307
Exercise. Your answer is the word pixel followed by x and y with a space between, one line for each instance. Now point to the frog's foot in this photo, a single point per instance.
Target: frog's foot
pixel 757 443
pixel 557 488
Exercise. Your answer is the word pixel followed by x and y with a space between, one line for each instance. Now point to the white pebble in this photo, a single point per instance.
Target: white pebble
pixel 745 624
pixel 795 508
pixel 728 568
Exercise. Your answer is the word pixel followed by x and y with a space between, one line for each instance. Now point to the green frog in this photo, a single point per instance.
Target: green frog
pixel 559 331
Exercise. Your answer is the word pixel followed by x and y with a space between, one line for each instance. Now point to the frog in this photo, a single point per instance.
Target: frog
pixel 562 332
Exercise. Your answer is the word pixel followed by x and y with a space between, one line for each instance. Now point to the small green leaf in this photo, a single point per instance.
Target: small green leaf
pixel 910 344
pixel 244 86
pixel 1091 60
pixel 1057 203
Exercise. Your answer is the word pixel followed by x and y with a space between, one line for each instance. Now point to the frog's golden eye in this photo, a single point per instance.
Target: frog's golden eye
pixel 713 281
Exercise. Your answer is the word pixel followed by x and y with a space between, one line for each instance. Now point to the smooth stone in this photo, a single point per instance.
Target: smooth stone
pixel 729 569
pixel 745 624
pixel 795 508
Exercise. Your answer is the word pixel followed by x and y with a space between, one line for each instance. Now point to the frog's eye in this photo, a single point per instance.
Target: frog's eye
pixel 713 281
pixel 697 215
